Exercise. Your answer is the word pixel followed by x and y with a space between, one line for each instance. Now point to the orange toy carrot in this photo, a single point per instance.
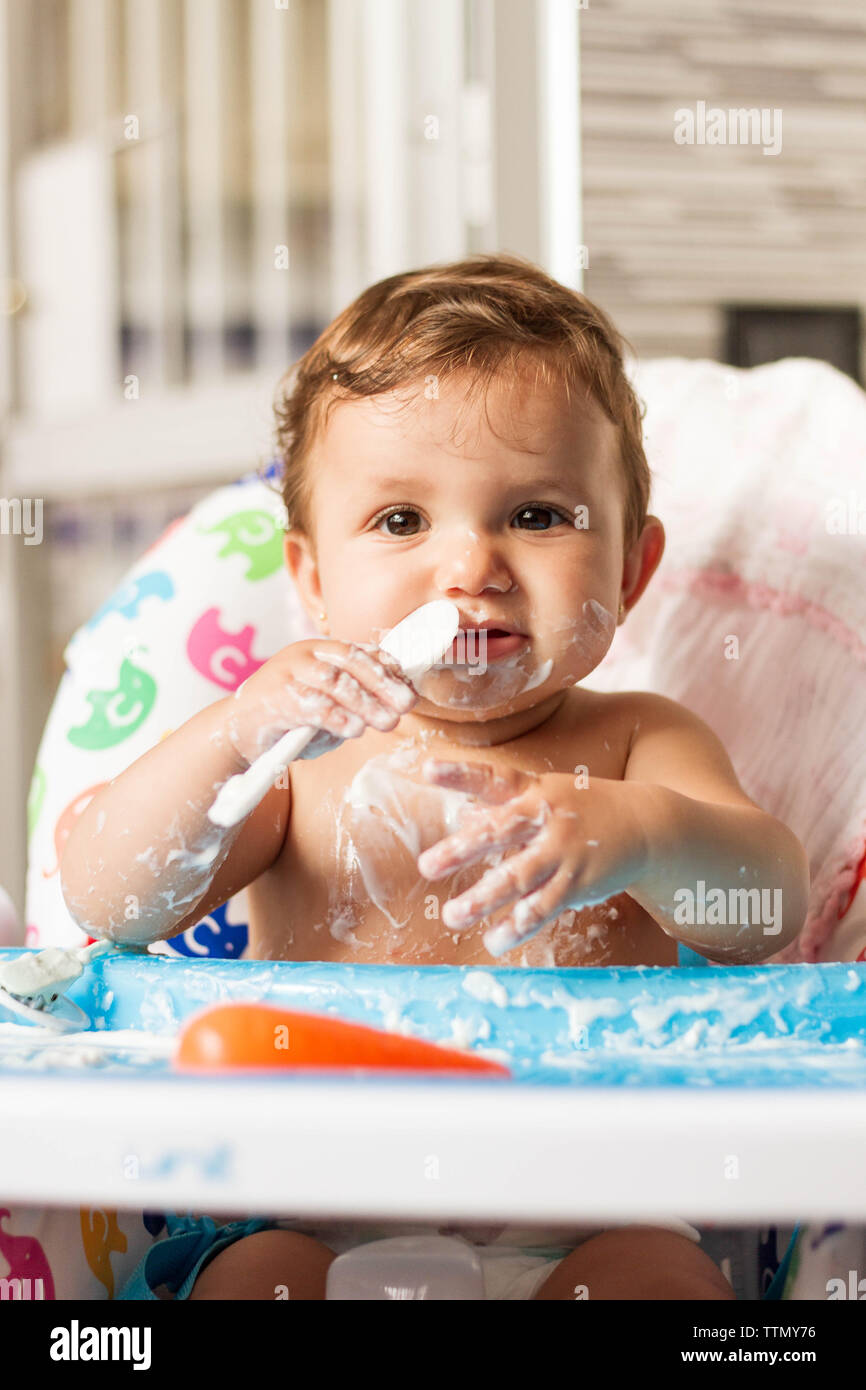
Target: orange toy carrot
pixel 259 1035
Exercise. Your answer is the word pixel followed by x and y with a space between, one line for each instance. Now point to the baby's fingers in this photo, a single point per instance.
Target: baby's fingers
pixel 528 916
pixel 309 705
pixel 476 840
pixel 374 670
pixel 519 875
pixel 349 693
pixel 492 784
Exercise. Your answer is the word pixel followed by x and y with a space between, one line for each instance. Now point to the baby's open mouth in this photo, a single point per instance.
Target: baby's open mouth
pixel 475 646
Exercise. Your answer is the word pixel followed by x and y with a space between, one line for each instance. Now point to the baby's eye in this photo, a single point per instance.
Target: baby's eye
pixel 405 521
pixel 544 513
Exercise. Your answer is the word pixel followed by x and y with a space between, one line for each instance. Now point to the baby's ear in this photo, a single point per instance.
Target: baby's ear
pixel 296 549
pixel 302 567
pixel 642 560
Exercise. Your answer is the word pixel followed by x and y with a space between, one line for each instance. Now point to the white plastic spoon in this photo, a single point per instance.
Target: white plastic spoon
pixel 32 984
pixel 417 642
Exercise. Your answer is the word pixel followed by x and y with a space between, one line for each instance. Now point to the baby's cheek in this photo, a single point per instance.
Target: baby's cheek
pixel 583 641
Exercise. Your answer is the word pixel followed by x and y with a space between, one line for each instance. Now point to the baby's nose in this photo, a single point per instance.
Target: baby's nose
pixel 472 563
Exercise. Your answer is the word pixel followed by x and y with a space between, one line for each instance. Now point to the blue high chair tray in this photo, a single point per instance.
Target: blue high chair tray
pixel 726 1094
pixel 631 1026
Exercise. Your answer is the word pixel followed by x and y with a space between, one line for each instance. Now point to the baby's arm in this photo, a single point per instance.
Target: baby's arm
pixel 703 829
pixel 143 861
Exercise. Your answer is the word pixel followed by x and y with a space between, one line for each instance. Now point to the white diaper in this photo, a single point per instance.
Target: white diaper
pixel 513 1272
pixel 515 1260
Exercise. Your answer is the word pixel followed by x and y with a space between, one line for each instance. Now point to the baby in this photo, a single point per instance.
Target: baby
pixel 464 432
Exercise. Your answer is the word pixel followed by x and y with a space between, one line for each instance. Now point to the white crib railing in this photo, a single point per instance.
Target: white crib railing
pixel 191 189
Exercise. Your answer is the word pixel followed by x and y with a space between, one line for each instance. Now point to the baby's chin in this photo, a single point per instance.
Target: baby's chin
pixel 492 692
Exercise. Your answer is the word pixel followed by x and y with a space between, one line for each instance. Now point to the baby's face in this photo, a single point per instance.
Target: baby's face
pixel 524 531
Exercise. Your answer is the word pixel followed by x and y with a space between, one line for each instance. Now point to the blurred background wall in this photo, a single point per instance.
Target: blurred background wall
pixel 682 239
pixel 191 189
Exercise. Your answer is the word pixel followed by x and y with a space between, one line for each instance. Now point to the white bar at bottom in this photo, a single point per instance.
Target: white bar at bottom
pixel 392 1150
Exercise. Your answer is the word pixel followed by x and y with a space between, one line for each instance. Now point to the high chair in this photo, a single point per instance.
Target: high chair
pixel 756 620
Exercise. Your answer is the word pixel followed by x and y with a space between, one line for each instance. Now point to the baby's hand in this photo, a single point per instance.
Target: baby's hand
pixel 581 846
pixel 339 688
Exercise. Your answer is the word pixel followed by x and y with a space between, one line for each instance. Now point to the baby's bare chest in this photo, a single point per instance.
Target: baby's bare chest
pixel 347 887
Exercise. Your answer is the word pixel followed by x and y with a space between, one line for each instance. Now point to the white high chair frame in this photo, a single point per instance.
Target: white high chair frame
pixel 530 1154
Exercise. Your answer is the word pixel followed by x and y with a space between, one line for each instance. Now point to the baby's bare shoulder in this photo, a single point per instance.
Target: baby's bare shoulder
pixel 598 726
pixel 627 711
pixel 656 737
pixel 670 745
pixel 645 710
pixel 641 709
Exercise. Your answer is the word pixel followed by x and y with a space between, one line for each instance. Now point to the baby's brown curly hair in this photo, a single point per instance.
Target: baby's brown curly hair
pixel 486 316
